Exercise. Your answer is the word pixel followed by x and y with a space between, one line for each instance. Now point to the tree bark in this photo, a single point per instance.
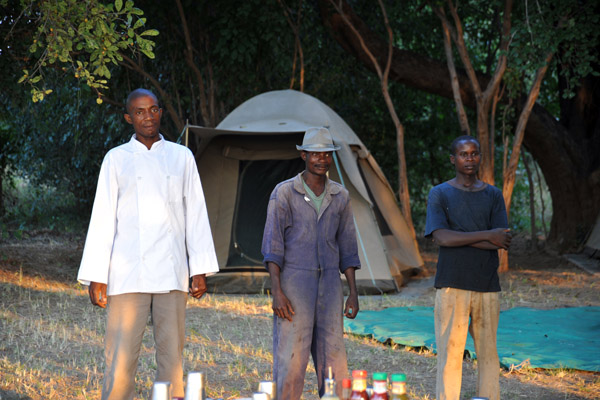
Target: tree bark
pixel 460 108
pixel 403 192
pixel 510 175
pixel 189 59
pixel 566 150
pixel 298 52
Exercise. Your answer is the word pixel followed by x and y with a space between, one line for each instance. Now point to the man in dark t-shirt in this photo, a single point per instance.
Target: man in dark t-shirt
pixel 467 218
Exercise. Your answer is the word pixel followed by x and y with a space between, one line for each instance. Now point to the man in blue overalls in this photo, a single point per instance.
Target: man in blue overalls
pixel 309 239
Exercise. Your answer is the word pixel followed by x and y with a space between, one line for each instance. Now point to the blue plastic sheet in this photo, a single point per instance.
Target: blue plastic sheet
pixel 559 338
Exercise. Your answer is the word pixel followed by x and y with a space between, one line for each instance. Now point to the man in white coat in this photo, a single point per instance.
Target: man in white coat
pixel 149 232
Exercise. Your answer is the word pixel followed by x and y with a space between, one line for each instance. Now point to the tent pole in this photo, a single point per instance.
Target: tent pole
pixel 187 130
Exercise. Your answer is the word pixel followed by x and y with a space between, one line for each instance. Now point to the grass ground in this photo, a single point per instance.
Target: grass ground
pixel 51 336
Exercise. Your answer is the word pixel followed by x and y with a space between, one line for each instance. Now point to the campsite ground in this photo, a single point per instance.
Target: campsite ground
pixel 51 337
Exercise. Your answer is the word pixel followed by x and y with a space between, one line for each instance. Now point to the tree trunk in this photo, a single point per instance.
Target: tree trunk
pixel 511 172
pixel 567 151
pixel 403 192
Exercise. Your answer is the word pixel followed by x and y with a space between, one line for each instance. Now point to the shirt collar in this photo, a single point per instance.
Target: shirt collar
pixel 329 186
pixel 139 146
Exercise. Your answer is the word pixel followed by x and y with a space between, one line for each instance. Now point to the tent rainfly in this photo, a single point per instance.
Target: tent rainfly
pixel 252 150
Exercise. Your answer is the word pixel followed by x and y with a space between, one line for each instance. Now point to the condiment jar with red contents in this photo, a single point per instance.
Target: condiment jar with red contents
pixel 359 385
pixel 380 386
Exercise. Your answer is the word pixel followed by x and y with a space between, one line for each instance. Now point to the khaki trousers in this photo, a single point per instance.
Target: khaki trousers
pixel 453 307
pixel 126 322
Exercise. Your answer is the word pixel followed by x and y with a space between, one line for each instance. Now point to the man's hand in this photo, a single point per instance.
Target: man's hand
pixel 97 293
pixel 282 307
pixel 351 309
pixel 198 286
pixel 500 237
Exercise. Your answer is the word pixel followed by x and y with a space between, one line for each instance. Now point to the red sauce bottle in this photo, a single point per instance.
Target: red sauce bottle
pixel 380 386
pixel 359 385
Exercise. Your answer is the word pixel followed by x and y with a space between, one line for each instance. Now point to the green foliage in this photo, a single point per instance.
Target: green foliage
pixel 83 37
pixel 30 206
pixel 568 29
pixel 241 49
pixel 520 215
pixel 60 143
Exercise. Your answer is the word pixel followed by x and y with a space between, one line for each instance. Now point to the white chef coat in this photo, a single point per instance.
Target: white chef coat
pixel 149 210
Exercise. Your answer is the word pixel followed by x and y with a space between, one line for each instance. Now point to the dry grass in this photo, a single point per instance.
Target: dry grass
pixel 51 337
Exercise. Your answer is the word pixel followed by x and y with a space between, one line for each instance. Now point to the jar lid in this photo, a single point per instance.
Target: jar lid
pixel 347 383
pixel 398 378
pixel 359 373
pixel 379 376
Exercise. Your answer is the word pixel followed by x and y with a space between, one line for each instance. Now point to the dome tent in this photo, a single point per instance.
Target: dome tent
pixel 254 148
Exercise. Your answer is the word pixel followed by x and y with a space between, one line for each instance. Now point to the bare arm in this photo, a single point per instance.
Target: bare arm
pixel 484 246
pixel 498 238
pixel 282 307
pixel 351 309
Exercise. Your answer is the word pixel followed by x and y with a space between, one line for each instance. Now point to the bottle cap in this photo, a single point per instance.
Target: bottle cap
pixel 347 383
pixel 359 373
pixel 398 378
pixel 379 376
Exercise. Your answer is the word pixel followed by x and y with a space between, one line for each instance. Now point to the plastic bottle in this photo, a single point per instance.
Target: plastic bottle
pixel 399 387
pixel 330 388
pixel 346 388
pixel 380 387
pixel 359 385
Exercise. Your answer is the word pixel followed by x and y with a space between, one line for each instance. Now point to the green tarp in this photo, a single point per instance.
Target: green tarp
pixel 559 338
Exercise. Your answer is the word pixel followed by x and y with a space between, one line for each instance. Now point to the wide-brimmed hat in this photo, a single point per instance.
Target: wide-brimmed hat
pixel 317 139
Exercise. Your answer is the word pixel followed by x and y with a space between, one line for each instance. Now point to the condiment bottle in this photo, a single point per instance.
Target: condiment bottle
pixel 346 388
pixel 380 390
pixel 359 385
pixel 330 388
pixel 399 387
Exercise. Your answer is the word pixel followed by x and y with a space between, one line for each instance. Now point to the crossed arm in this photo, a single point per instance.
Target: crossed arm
pixel 493 239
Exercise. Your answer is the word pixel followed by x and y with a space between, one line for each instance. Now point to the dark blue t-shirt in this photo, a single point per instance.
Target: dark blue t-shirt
pixel 466 267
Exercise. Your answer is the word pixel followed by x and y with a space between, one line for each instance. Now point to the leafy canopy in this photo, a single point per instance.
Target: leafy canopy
pixel 82 37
